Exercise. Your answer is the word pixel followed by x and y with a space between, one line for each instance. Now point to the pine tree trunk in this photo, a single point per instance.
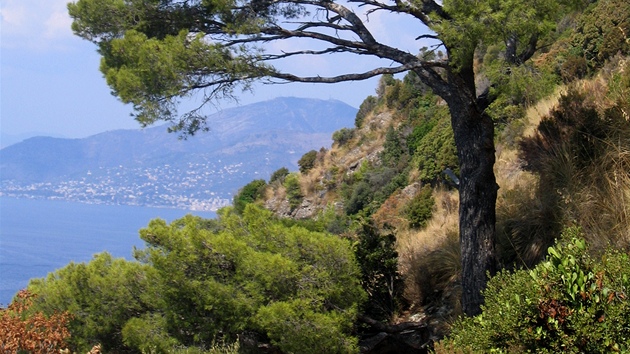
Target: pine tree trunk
pixel 474 137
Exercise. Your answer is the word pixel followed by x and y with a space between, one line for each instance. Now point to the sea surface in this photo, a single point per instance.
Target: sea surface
pixel 39 236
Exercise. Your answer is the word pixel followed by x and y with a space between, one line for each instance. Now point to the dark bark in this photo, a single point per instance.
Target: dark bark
pixel 474 137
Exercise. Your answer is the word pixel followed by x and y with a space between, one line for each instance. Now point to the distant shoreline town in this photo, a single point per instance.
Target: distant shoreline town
pixel 182 203
pixel 172 202
pixel 120 186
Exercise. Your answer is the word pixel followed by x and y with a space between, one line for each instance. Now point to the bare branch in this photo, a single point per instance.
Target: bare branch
pixel 345 77
pixel 429 36
pixel 308 25
pixel 268 57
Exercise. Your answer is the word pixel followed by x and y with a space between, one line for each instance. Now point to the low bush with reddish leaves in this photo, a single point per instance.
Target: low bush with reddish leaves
pixel 21 331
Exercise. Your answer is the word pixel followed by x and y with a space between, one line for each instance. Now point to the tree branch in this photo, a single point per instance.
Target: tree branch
pixel 337 49
pixel 345 77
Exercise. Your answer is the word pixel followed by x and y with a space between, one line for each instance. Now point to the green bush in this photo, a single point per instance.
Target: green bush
pixel 418 133
pixel 342 136
pixel 249 194
pixel 279 175
pixel 570 303
pixel 436 151
pixel 378 259
pixel 307 161
pixel 102 296
pixel 367 106
pixel 420 208
pixel 361 196
pixel 602 31
pixel 148 334
pixel 242 278
pixel 294 191
pixel 393 148
pixel 194 287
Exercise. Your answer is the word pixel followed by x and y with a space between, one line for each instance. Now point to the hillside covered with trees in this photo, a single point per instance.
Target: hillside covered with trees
pixel 366 247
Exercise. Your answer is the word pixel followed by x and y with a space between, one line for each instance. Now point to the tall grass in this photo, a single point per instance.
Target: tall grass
pixel 577 145
pixel 580 154
pixel 430 260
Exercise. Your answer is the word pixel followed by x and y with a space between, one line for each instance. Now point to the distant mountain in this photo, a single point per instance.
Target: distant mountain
pixel 152 167
pixel 10 139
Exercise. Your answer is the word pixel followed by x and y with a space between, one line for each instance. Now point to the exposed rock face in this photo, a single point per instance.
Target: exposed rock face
pixel 280 206
pixel 379 121
pixel 411 190
pixel 306 210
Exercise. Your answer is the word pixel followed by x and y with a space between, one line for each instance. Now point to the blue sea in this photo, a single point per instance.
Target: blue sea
pixel 40 236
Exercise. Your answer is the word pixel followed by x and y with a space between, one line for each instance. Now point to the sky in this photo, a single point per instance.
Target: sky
pixel 50 83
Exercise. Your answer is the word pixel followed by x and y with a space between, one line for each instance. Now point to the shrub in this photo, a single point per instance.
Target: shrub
pixel 294 191
pixel 602 31
pixel 195 286
pixel 100 295
pixel 366 107
pixel 25 331
pixel 360 198
pixel 342 136
pixel 435 152
pixel 307 162
pixel 279 175
pixel 574 67
pixel 148 334
pixel 393 148
pixel 249 193
pixel 378 259
pixel 287 283
pixel 419 132
pixel 420 208
pixel 569 303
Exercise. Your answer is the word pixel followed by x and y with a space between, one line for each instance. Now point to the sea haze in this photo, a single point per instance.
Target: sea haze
pixel 39 236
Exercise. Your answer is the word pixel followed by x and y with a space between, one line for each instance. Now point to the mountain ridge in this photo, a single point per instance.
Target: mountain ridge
pixel 258 138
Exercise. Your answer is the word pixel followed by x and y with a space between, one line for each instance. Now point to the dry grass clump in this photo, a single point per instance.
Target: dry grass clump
pixel 430 261
pixel 527 224
pixel 580 154
pixel 577 147
pixel 541 109
pixel 602 205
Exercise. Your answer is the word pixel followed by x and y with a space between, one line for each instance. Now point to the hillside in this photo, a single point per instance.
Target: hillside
pixel 152 167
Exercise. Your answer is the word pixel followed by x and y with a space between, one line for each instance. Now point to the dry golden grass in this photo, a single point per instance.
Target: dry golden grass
pixel 541 109
pixel 602 204
pixel 429 259
pixel 508 171
pixel 594 195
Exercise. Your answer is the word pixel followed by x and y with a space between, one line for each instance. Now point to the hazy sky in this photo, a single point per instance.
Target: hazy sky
pixel 50 82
